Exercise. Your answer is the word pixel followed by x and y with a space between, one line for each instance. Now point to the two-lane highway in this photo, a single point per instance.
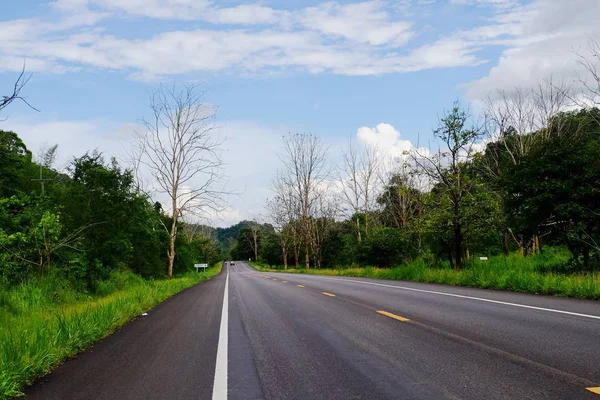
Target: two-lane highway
pixel 253 335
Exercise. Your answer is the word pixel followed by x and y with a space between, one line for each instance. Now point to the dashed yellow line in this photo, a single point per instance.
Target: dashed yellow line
pixel 300 285
pixel 388 314
pixel 274 279
pixel 328 294
pixel 595 390
pixel 284 281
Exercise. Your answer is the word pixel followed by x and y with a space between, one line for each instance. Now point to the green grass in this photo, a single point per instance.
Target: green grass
pixel 44 322
pixel 537 274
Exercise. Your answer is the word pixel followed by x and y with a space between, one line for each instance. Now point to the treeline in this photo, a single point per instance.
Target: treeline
pixel 524 176
pixel 85 222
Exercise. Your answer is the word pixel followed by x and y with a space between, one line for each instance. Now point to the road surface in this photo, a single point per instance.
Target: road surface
pixel 251 335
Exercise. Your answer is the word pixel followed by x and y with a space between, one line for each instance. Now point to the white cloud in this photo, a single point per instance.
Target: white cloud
pixel 502 4
pixel 541 40
pixel 387 139
pixel 348 39
pixel 364 22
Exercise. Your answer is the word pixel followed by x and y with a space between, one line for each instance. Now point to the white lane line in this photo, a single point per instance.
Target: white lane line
pixel 220 384
pixel 467 297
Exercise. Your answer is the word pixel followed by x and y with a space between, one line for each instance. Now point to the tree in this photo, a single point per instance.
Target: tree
pixel 359 175
pixel 304 171
pixel 253 238
pixel 448 173
pixel 180 149
pixel 280 218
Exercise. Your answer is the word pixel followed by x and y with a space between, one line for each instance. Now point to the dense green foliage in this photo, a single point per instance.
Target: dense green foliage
pixel 82 224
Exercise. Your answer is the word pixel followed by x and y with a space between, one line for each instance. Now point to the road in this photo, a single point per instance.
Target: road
pixel 290 336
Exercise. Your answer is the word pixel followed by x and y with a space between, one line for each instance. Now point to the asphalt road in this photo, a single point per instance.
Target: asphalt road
pixel 288 336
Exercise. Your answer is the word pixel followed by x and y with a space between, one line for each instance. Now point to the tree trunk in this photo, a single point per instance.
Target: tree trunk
pixel 307 256
pixel 450 258
pixel 255 248
pixel 458 245
pixel 172 238
pixel 358 235
pixel 284 255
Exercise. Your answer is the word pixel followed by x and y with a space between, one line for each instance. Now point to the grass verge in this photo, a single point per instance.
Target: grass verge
pixel 42 323
pixel 513 273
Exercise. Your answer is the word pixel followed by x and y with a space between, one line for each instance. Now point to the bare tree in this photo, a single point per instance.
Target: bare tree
pixel 253 239
pixel 180 149
pixel 304 171
pixel 359 176
pixel 591 84
pixel 281 213
pixel 326 209
pixel 370 166
pixel 525 115
pixel 349 177
pixel 20 83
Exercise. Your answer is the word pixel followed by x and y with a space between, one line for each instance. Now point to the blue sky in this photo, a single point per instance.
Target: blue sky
pixel 275 66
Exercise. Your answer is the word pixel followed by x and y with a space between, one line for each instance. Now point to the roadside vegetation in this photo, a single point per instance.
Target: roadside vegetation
pixel 84 248
pixel 542 274
pixel 45 321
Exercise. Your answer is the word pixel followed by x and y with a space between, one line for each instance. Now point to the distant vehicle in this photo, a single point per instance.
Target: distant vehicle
pixel 231 263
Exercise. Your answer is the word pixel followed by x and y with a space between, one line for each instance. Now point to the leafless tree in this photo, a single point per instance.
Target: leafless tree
pixel 304 171
pixel 180 149
pixel 359 176
pixel 591 64
pixel 349 177
pixel 370 165
pixel 326 209
pixel 525 115
pixel 20 83
pixel 253 239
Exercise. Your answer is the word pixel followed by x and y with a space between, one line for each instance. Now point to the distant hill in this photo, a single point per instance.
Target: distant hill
pixel 228 236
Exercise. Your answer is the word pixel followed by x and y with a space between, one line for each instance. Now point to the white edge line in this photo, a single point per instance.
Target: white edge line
pixel 465 297
pixel 220 383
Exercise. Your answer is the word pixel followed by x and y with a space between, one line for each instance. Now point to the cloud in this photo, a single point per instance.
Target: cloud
pixel 501 4
pixel 364 22
pixel 540 40
pixel 387 139
pixel 364 38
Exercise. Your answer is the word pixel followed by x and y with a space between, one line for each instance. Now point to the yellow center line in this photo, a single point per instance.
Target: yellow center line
pixel 284 281
pixel 594 389
pixel 274 279
pixel 388 314
pixel 300 285
pixel 328 294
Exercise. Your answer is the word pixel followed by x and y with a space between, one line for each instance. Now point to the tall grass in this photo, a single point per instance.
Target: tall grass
pixel 44 322
pixel 539 274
